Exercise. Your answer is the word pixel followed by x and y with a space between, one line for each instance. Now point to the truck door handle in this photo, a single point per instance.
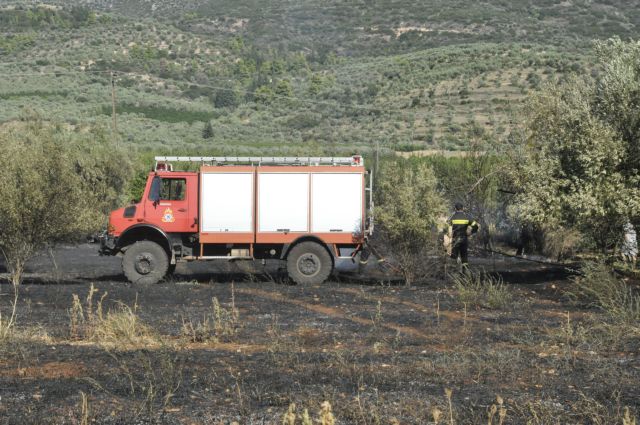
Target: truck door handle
pixel 182 210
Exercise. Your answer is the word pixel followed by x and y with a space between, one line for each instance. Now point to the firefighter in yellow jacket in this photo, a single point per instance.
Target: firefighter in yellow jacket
pixel 461 225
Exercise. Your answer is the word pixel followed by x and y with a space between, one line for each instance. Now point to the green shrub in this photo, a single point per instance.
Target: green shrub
pixel 578 165
pixel 600 287
pixel 482 290
pixel 56 186
pixel 408 211
pixel 226 98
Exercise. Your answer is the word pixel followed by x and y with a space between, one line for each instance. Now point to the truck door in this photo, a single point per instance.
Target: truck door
pixel 176 209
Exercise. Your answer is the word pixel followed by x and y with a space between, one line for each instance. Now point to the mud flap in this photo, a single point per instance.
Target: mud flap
pixel 363 260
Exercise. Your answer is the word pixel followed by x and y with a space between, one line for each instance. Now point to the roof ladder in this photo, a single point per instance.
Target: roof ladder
pixel 353 161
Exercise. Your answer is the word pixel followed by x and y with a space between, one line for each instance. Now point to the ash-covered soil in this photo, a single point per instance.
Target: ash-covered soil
pixel 240 347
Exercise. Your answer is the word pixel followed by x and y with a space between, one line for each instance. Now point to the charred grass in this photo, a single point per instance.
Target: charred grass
pixel 261 352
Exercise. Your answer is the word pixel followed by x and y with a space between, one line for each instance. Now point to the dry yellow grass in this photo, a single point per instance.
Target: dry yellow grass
pixel 120 327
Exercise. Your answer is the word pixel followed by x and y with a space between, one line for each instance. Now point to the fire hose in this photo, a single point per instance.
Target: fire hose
pixel 531 260
pixel 383 263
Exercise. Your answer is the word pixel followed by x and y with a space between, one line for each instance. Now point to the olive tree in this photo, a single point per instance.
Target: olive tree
pixel 474 179
pixel 408 208
pixel 56 186
pixel 580 163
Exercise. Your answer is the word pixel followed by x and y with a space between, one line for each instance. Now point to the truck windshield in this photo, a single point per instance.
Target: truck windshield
pixel 154 191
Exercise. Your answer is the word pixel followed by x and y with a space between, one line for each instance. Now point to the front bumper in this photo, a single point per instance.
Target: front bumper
pixel 108 244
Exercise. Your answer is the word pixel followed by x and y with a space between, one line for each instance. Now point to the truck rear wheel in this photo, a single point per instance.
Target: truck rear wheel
pixel 145 262
pixel 309 263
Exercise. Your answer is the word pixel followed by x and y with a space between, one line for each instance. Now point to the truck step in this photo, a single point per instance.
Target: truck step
pixel 216 257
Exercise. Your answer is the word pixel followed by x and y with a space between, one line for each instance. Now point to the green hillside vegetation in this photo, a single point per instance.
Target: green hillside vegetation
pixel 361 26
pixel 294 79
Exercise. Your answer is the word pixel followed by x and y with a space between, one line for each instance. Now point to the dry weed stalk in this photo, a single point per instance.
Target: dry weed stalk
pixel 82 319
pixel 436 414
pixel 325 416
pixel 76 317
pixel 502 414
pixel 5 329
pixel 569 330
pixel 235 314
pixel 306 419
pixel 16 271
pixel 377 318
pixel 628 419
pixel 239 395
pixel 92 290
pixel 464 319
pixel 84 409
pixel 289 418
pixel 448 393
pixel 491 413
pixel 497 407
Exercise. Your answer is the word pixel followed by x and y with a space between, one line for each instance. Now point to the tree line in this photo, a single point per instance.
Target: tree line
pixel 567 178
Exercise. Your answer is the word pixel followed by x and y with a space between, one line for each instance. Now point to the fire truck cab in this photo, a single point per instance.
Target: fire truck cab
pixel 308 212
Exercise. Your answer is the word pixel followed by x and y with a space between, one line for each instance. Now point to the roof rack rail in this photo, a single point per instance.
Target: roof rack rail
pixel 355 160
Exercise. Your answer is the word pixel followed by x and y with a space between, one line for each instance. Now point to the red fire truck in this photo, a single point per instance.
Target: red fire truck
pixel 309 212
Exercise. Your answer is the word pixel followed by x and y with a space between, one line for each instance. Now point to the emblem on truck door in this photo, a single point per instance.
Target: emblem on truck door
pixel 168 217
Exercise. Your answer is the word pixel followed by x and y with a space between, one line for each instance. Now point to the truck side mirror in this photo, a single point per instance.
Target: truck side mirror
pixel 154 192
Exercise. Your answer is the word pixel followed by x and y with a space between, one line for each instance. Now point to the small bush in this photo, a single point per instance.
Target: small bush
pixel 150 377
pixel 56 185
pixel 408 209
pixel 217 323
pixel 560 243
pixel 120 327
pixel 600 287
pixel 482 290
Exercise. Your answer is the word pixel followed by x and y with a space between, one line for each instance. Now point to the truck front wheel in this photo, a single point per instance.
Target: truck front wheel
pixel 309 263
pixel 145 262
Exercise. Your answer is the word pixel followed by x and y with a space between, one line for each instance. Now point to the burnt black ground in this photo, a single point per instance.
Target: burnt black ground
pixel 376 352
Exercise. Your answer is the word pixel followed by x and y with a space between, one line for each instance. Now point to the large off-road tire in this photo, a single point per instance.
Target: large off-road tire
pixel 145 262
pixel 309 263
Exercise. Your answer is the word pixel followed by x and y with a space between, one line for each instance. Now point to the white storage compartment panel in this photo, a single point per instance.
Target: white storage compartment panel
pixel 226 202
pixel 336 203
pixel 283 202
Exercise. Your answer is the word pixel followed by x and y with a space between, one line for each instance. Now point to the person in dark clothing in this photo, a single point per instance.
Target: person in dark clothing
pixel 459 225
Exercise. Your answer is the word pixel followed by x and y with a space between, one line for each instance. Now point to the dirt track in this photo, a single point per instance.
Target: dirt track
pixel 377 353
